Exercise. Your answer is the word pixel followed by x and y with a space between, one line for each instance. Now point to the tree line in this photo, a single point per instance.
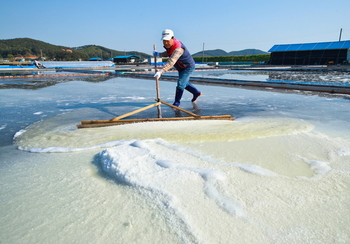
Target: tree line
pixel 242 58
pixel 26 47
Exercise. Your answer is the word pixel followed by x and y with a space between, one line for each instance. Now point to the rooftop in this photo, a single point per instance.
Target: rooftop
pixel 311 46
pixel 127 56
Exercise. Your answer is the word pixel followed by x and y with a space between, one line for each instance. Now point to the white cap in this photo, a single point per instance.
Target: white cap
pixel 167 34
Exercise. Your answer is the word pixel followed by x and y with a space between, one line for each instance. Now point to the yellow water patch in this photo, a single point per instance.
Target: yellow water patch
pixel 58 131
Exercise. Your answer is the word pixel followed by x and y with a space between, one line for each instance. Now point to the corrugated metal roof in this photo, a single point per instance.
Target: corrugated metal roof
pixel 311 46
pixel 95 58
pixel 127 56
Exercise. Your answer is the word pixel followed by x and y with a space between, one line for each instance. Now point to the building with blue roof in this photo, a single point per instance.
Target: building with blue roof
pixel 320 53
pixel 126 59
pixel 95 59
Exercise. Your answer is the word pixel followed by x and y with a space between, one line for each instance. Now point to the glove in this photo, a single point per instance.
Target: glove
pixel 158 74
pixel 155 53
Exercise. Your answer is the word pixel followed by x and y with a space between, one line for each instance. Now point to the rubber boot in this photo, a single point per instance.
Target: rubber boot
pixel 194 91
pixel 178 96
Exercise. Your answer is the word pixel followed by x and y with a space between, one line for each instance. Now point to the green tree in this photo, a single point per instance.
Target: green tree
pixel 10 57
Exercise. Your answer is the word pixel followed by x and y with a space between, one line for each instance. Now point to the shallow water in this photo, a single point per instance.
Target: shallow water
pixel 279 173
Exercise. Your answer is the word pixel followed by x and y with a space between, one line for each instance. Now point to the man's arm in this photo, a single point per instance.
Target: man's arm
pixel 172 59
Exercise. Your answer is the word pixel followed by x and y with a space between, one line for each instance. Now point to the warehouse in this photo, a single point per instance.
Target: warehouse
pixel 126 59
pixel 321 53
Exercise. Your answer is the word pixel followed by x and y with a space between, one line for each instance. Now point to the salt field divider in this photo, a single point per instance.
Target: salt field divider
pixel 73 73
pixel 337 89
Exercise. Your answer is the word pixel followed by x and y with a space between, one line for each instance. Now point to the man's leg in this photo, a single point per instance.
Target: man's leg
pixel 178 96
pixel 182 82
pixel 194 91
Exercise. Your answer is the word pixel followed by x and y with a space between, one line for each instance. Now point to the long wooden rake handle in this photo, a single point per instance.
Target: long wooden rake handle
pixel 157 84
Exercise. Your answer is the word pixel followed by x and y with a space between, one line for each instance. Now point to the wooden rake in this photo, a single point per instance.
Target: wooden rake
pixel 120 119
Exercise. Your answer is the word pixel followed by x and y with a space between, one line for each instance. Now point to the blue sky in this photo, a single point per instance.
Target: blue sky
pixel 136 25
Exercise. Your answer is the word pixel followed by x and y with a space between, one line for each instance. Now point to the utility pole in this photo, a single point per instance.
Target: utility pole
pixel 341 30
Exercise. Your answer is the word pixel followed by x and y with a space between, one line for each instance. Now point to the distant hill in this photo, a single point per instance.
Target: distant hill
pixel 221 53
pixel 106 53
pixel 26 47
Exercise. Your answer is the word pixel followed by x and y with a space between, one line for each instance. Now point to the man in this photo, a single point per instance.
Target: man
pixel 181 59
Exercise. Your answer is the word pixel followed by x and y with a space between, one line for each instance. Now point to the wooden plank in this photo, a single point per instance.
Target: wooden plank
pixel 98 123
pixel 139 110
pixel 181 109
pixel 135 112
pixel 155 119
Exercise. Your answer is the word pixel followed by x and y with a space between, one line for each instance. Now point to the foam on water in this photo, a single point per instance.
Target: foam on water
pixel 256 169
pixel 343 152
pixel 166 178
pixel 187 185
pixel 260 180
pixel 240 140
pixel 51 135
